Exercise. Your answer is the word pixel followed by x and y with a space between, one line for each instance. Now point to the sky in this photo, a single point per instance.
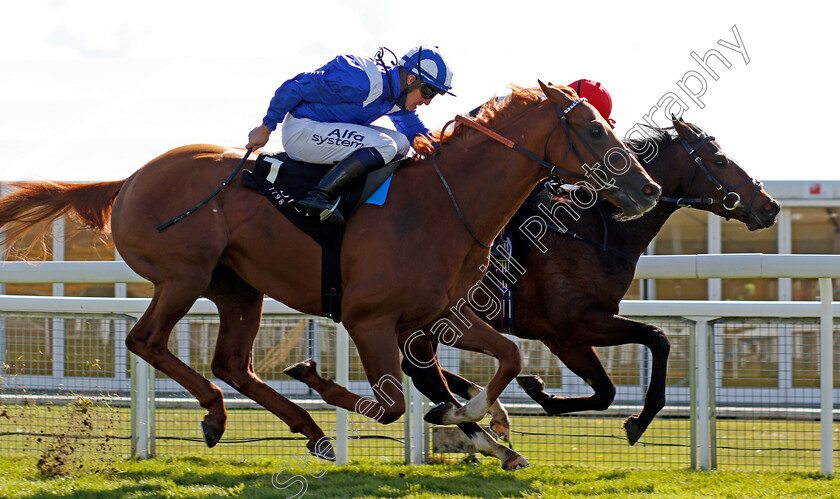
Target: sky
pixel 92 90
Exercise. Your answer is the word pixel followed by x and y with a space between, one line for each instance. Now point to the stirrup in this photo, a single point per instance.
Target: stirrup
pixel 330 213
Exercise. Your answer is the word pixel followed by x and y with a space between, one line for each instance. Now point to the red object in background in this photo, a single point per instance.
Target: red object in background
pixel 815 189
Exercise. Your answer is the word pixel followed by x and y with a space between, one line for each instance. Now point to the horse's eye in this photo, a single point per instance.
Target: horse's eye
pixel 595 131
pixel 720 163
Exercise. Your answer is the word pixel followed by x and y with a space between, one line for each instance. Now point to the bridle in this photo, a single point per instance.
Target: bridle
pixel 730 201
pixel 553 170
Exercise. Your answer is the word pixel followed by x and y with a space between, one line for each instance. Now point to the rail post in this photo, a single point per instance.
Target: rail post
pixel 141 408
pixel 826 377
pixel 701 395
pixel 414 424
pixel 342 377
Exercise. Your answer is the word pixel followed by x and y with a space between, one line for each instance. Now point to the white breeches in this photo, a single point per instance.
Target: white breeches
pixel 326 143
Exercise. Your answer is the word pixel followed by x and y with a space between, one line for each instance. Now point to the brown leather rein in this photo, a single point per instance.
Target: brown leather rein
pixel 553 170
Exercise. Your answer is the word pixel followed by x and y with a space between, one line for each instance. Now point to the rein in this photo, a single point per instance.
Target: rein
pixel 162 227
pixel 601 246
pixel 729 192
pixel 455 204
pixel 552 169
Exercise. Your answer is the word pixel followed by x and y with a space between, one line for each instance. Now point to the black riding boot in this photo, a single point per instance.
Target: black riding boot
pixel 352 168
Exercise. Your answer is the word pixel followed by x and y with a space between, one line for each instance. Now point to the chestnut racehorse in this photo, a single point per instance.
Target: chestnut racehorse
pixel 404 264
pixel 568 297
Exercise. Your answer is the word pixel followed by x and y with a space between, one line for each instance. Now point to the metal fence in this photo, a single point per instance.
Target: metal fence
pixel 747 389
pixel 56 364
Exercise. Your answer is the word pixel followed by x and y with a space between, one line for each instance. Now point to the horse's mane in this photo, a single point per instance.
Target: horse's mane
pixel 492 110
pixel 658 137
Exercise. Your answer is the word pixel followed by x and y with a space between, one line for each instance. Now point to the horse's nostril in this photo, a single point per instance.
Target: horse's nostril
pixel 769 207
pixel 650 190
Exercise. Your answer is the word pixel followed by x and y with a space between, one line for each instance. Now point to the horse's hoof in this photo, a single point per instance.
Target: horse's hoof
pixel 322 448
pixel 501 429
pixel 298 370
pixel 517 462
pixel 633 429
pixel 530 383
pixel 212 432
pixel 435 415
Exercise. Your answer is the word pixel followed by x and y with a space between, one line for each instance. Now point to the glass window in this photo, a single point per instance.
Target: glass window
pixel 814 231
pixel 684 233
pixel 28 346
pixel 30 250
pixel 736 238
pixel 89 347
pixel 140 290
pixel 750 354
pixel 634 292
pixel 82 244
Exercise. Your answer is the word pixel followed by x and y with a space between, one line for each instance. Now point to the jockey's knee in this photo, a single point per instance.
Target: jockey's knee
pixel 402 145
pixel 393 145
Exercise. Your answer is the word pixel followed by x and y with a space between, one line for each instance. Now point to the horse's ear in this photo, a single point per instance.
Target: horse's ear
pixel 683 129
pixel 543 87
pixel 551 92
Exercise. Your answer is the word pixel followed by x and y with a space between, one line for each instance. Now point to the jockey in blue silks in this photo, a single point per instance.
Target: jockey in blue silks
pixel 326 116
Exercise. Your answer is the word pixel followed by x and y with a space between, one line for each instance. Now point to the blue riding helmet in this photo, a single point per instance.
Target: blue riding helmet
pixel 428 65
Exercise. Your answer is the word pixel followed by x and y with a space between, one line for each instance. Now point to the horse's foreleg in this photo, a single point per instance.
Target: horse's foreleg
pixel 499 420
pixel 484 339
pixel 377 347
pixel 149 339
pixel 608 330
pixel 420 364
pixel 657 342
pixel 240 308
pixel 605 329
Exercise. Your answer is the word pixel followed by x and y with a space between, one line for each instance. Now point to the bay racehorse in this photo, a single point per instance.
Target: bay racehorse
pixel 579 263
pixel 403 264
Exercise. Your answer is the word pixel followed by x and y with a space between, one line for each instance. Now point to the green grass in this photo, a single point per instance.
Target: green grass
pixel 744 444
pixel 202 477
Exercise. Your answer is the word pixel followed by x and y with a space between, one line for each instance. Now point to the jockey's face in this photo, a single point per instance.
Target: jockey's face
pixel 415 98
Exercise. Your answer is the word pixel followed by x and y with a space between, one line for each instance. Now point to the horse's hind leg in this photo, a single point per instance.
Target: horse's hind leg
pixel 240 308
pixel 483 339
pixel 420 364
pixel 380 355
pixel 149 339
pixel 584 362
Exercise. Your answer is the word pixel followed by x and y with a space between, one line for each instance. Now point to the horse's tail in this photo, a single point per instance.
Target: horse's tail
pixel 35 205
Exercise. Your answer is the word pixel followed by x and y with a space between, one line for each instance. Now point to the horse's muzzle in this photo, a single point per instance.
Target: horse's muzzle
pixel 633 205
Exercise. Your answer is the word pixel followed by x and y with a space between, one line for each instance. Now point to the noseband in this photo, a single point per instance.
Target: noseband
pixel 730 200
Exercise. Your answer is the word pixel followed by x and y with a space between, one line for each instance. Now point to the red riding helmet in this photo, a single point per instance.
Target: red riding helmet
pixel 596 95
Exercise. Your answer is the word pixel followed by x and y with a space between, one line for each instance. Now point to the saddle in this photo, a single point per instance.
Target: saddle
pixel 283 181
